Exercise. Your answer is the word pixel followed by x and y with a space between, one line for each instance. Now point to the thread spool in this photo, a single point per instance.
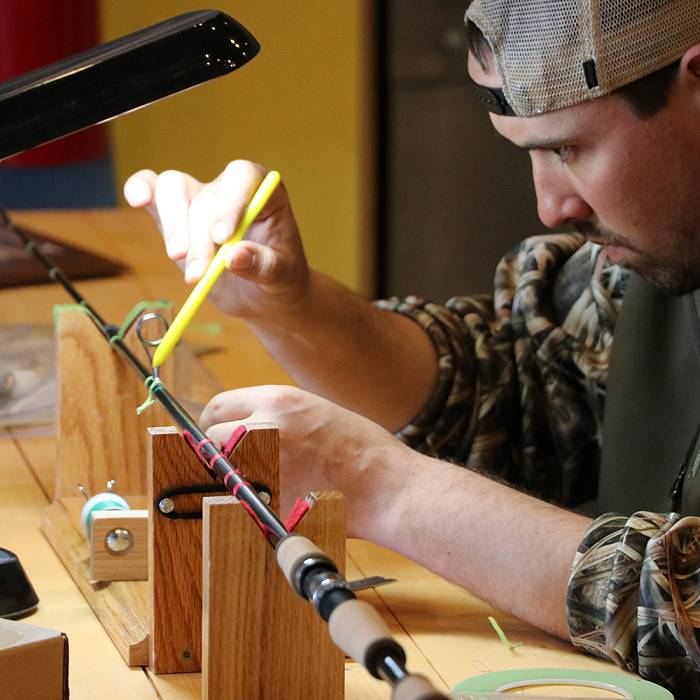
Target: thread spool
pixel 499 683
pixel 105 500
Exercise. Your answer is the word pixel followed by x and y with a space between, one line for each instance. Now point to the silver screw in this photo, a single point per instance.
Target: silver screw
pixel 166 505
pixel 265 497
pixel 118 540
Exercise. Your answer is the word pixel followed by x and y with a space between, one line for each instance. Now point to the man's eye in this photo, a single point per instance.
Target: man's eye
pixel 564 153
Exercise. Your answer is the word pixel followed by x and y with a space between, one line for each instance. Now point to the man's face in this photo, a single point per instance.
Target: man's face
pixel 626 183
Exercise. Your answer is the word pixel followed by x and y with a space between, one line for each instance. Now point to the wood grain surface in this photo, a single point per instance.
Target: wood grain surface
pixel 130 565
pixel 100 435
pixel 175 564
pixel 251 615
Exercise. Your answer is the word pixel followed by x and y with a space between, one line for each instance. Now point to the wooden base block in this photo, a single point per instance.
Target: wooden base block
pixel 121 606
pixel 261 641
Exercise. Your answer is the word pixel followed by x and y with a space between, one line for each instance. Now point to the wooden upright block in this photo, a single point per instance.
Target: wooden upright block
pixel 175 562
pixel 100 437
pixel 261 641
pixel 131 564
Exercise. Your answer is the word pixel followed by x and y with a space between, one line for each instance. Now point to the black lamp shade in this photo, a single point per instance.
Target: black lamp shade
pixel 120 76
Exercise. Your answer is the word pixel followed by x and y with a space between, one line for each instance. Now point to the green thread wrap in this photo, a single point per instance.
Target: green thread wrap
pixel 58 309
pixel 134 314
pixel 151 384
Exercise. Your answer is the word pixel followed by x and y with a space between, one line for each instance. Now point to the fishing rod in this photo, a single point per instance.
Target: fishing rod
pixel 105 82
pixel 354 625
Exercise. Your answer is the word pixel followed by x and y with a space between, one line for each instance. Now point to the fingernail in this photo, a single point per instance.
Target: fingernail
pixel 137 192
pixel 174 247
pixel 222 231
pixel 240 259
pixel 194 270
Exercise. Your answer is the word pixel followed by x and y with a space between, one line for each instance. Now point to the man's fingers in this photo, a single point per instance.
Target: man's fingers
pixel 234 405
pixel 255 262
pixel 220 433
pixel 202 215
pixel 236 186
pixel 139 189
pixel 139 192
pixel 194 216
pixel 173 193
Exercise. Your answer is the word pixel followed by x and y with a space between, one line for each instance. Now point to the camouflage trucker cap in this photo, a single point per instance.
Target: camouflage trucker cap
pixel 556 53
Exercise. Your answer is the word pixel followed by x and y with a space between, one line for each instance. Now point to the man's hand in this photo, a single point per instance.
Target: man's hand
pixel 328 339
pixel 505 546
pixel 269 275
pixel 322 447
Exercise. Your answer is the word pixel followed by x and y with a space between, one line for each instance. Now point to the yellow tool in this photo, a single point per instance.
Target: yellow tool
pixel 216 267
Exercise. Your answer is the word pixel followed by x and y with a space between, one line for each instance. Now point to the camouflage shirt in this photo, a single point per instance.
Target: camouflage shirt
pixel 520 395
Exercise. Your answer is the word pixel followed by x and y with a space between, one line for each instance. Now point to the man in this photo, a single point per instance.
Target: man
pixel 605 97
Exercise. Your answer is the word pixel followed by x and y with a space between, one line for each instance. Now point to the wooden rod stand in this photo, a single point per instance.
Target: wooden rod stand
pixel 261 641
pixel 175 544
pixel 100 437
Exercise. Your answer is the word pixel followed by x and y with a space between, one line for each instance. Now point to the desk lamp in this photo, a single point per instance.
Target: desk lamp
pixel 120 76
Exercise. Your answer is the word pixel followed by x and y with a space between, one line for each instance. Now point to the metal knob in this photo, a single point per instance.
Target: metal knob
pixel 166 505
pixel 118 540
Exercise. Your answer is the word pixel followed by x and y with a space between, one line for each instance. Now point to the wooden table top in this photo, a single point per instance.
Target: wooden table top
pixel 443 628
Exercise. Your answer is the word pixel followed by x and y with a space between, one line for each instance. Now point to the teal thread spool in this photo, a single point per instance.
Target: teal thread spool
pixel 106 500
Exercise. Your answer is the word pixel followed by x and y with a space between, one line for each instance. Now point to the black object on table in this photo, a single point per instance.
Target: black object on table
pixel 17 595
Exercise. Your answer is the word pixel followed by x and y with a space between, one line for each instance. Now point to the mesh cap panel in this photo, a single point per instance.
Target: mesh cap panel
pixel 555 53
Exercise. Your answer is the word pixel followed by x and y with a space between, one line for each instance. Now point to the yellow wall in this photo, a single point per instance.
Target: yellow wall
pixel 302 106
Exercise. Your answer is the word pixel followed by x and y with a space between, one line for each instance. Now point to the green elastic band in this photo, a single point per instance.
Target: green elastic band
pixel 58 309
pixel 212 329
pixel 151 384
pixel 134 314
pixel 502 635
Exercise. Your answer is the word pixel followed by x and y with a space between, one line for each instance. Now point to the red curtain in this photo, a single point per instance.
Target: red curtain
pixel 34 33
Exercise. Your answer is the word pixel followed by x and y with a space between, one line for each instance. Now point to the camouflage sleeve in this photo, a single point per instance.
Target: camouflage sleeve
pixel 522 374
pixel 633 597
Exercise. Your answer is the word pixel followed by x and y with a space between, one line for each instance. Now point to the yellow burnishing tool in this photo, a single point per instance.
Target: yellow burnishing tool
pixel 216 267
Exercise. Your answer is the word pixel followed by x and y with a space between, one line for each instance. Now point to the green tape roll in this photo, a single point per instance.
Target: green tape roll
pixel 629 687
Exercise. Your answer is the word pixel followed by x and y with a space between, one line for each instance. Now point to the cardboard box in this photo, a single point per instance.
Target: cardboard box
pixel 33 662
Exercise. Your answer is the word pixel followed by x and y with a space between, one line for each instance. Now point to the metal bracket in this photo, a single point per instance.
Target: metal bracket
pixel 362 584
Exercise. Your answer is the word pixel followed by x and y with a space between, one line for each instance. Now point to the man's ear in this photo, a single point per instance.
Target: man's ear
pixel 690 62
pixel 690 72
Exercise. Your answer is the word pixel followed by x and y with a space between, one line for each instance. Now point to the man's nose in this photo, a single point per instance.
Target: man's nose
pixel 558 202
